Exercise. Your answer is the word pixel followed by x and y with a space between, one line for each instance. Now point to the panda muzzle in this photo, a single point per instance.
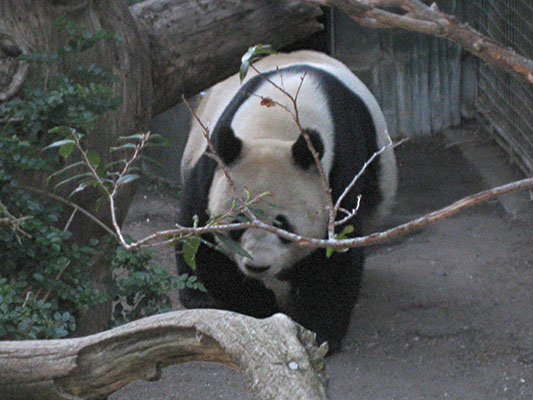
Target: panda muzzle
pixel 256 269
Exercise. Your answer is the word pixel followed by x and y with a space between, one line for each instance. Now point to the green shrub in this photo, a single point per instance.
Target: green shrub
pixel 44 288
pixel 140 286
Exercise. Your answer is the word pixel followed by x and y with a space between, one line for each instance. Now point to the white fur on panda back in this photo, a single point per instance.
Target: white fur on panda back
pixel 220 95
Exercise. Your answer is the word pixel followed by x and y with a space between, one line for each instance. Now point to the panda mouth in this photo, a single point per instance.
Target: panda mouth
pixel 256 269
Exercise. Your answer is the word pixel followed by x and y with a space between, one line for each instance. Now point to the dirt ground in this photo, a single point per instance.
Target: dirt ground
pixel 444 313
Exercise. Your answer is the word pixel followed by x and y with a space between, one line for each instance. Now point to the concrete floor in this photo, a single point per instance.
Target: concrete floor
pixel 444 313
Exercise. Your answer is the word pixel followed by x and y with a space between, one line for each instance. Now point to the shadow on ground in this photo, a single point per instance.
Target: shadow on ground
pixel 444 313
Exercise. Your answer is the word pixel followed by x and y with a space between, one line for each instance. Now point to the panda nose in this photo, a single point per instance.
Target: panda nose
pixel 256 269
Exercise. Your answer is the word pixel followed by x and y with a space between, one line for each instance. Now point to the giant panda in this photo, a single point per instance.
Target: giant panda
pixel 265 152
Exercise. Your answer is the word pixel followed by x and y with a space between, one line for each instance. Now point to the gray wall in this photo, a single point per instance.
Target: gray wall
pixel 424 84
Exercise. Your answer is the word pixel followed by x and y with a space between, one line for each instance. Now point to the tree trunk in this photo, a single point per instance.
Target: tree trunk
pixel 278 358
pixel 192 45
pixel 195 44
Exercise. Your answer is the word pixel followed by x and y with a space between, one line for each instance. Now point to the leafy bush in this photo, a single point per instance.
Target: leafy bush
pixel 43 287
pixel 43 284
pixel 140 286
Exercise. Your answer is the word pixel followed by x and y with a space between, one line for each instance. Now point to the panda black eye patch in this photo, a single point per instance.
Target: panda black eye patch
pixel 282 222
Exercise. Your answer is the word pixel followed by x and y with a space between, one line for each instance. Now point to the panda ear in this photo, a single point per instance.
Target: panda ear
pixel 226 144
pixel 300 151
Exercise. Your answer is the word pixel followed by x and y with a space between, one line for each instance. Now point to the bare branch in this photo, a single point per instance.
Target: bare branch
pixel 367 163
pixel 282 360
pixel 213 153
pixel 15 222
pixel 430 20
pixel 446 212
pixel 331 241
pixel 111 195
pixel 349 214
pixel 70 204
pixel 316 157
pixel 372 239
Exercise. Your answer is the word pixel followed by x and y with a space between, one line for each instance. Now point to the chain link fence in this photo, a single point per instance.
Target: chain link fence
pixel 506 103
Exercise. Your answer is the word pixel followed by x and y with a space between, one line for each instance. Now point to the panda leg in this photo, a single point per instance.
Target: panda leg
pixel 324 292
pixel 227 287
pixel 192 298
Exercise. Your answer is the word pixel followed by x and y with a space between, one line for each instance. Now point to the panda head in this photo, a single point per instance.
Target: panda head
pixel 285 170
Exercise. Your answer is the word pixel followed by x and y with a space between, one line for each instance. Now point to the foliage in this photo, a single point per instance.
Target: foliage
pixel 43 284
pixel 254 54
pixel 101 176
pixel 339 236
pixel 140 286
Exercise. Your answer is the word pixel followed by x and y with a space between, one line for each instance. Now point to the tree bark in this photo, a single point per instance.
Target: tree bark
pixel 278 358
pixel 194 44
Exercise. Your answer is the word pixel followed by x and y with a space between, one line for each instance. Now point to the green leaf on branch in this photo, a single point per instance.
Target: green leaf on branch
pixel 80 188
pixel 73 178
pixel 64 170
pixel 127 179
pixel 138 136
pixel 339 236
pixel 66 150
pixel 94 158
pixel 59 143
pixel 232 245
pixel 190 248
pixel 122 147
pixel 254 54
pixel 62 130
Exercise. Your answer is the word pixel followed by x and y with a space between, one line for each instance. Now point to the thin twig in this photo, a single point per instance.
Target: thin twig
pixel 47 294
pixel 111 194
pixel 14 222
pixel 67 225
pixel 243 203
pixel 213 153
pixel 330 208
pixel 349 214
pixel 365 166
pixel 70 204
pixel 374 238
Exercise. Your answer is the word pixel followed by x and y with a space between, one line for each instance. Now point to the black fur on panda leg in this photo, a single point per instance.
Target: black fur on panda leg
pixel 191 298
pixel 228 288
pixel 324 291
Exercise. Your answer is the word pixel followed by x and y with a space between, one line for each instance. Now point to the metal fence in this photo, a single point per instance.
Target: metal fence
pixel 505 102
